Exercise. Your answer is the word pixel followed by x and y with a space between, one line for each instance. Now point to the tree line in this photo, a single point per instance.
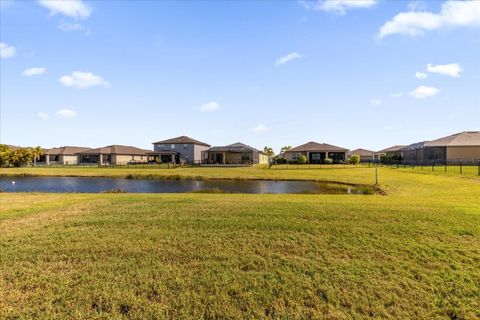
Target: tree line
pixel 17 157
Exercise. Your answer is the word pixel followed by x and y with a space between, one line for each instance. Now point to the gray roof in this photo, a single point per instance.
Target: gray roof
pixel 414 146
pixel 235 147
pixel 117 149
pixel 392 149
pixel 362 152
pixel 465 138
pixel 319 147
pixel 182 140
pixel 67 150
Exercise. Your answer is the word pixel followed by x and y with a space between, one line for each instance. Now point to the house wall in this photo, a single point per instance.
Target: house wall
pixel 189 153
pixel 463 153
pixel 263 158
pixel 69 159
pixel 120 159
pixel 291 156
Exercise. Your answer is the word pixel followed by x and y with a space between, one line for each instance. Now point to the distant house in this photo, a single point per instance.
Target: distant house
pixel 236 153
pixel 317 152
pixel 393 152
pixel 460 146
pixel 365 155
pixel 181 149
pixel 413 152
pixel 114 154
pixel 63 155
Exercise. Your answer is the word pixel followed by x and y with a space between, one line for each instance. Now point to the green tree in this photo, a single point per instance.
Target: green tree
pixel 268 151
pixel 5 155
pixel 354 159
pixel 301 159
pixel 36 153
pixel 284 149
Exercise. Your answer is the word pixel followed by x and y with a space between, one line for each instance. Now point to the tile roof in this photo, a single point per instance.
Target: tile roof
pixel 67 150
pixel 362 152
pixel 182 140
pixel 117 149
pixel 392 149
pixel 315 146
pixel 465 138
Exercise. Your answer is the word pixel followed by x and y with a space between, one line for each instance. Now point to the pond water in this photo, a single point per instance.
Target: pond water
pixel 97 185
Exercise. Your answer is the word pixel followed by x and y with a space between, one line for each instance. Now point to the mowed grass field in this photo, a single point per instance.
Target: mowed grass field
pixel 413 253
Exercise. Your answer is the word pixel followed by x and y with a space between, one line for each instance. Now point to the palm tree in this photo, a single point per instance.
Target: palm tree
pixel 36 153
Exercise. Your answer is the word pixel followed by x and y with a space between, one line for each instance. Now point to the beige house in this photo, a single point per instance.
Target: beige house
pixel 460 146
pixel 236 153
pixel 317 152
pixel 365 155
pixel 113 155
pixel 63 155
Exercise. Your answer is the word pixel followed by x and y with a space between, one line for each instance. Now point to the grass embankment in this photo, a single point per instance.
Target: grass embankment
pixel 414 254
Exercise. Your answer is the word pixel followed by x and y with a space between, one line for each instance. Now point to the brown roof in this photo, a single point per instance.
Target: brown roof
pixel 392 149
pixel 466 138
pixel 362 152
pixel 117 149
pixel 183 140
pixel 314 146
pixel 67 150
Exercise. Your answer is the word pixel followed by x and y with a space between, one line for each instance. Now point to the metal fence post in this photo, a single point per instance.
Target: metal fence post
pixel 433 165
pixel 460 168
pixel 376 174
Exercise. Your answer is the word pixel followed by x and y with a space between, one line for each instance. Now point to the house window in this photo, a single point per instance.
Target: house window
pixel 172 146
pixel 246 157
pixel 295 156
pixel 185 146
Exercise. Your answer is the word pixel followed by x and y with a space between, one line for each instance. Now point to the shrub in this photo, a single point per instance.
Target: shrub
pixel 327 161
pixel 280 160
pixel 354 159
pixel 301 159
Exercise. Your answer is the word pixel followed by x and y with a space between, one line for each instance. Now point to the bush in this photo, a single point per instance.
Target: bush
pixel 301 159
pixel 354 159
pixel 280 160
pixel 327 161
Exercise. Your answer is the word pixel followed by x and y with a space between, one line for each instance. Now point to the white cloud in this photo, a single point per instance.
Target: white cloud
pixel 209 106
pixel 259 128
pixel 424 92
pixel 421 75
pixel 66 113
pixel 417 23
pixel 289 57
pixel 452 69
pixel 83 80
pixel 376 102
pixel 397 94
pixel 417 6
pixel 66 26
pixel 43 116
pixel 72 8
pixel 33 71
pixel 6 51
pixel 338 6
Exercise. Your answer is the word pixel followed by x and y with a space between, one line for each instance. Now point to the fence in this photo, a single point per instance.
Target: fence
pixel 290 166
pixel 466 167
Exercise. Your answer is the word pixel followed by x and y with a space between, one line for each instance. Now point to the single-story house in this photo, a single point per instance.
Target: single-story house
pixel 317 152
pixel 236 153
pixel 460 146
pixel 393 151
pixel 62 155
pixel 114 154
pixel 365 155
pixel 181 149
pixel 413 152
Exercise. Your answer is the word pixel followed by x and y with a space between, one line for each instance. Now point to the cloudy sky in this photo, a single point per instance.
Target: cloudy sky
pixel 350 73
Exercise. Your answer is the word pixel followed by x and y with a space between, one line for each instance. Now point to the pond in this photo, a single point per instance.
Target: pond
pixel 98 185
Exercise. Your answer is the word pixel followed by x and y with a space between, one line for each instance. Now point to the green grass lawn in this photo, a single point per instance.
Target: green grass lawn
pixel 411 254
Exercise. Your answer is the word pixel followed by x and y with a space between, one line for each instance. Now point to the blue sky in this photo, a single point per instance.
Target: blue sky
pixel 355 74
